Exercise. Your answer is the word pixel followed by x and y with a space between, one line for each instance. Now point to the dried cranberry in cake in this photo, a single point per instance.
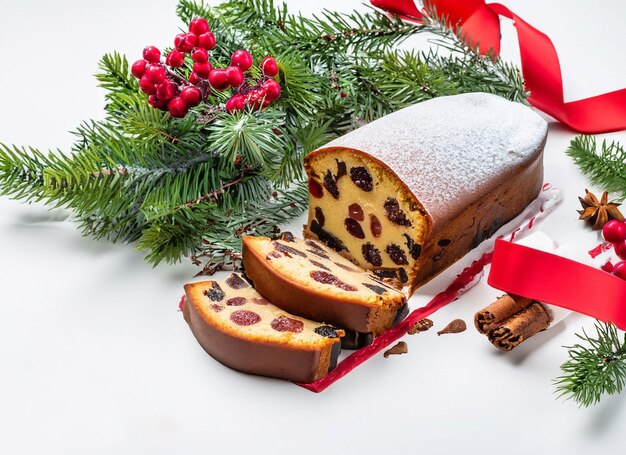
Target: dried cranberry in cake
pixel 330 183
pixel 288 250
pixel 285 324
pixel 396 253
pixel 215 307
pixel 362 178
pixel 375 226
pixel 236 301
pixel 315 189
pixel 394 213
pixel 377 289
pixel 328 278
pixel 245 317
pixel 260 301
pixel 215 293
pixel 372 254
pixel 356 212
pixel 319 216
pixel 354 228
pixel 319 265
pixel 236 282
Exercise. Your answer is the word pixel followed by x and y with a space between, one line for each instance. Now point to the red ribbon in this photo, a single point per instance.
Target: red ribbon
pixel 480 25
pixel 555 280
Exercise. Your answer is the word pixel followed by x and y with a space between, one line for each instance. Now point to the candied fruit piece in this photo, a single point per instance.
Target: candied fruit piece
pixel 244 317
pixel 215 294
pixel 319 216
pixel 375 226
pixel 396 253
pixel 285 324
pixel 362 178
pixel 354 228
pixel 236 282
pixel 377 289
pixel 330 183
pixel 371 254
pixel 394 213
pixel 315 189
pixel 236 301
pixel 356 212
pixel 328 278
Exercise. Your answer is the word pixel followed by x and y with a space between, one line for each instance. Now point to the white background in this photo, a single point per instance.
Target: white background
pixel 96 358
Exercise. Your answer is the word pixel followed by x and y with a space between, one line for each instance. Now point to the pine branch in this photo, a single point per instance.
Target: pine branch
pixel 598 367
pixel 606 169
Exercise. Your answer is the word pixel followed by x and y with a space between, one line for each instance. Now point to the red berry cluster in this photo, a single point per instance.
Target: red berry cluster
pixel 169 88
pixel 615 232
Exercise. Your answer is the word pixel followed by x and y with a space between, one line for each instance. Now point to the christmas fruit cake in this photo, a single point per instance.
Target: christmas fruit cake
pixel 244 331
pixel 409 194
pixel 308 279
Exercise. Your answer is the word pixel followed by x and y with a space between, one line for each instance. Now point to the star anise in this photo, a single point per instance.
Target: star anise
pixel 598 212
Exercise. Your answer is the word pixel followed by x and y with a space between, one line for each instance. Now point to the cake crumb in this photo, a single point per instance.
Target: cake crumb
pixel 400 348
pixel 456 326
pixel 420 326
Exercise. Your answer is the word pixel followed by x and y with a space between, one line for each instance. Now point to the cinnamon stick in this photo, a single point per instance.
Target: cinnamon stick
pixel 519 327
pixel 495 314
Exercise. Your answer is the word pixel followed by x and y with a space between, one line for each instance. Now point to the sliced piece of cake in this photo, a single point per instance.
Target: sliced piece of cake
pixel 243 330
pixel 309 279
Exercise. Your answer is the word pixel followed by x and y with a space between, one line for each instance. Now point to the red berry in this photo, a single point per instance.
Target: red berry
pixel 206 41
pixel 242 59
pixel 166 90
pixel 218 78
pixel 269 67
pixel 200 55
pixel 198 26
pixel 151 54
pixel 194 78
pixel 619 270
pixel 191 96
pixel 235 76
pixel 235 103
pixel 156 102
pixel 614 231
pixel 146 86
pixel 620 249
pixel 177 107
pixel 202 69
pixel 155 74
pixel 184 42
pixel 175 59
pixel 272 88
pixel 138 68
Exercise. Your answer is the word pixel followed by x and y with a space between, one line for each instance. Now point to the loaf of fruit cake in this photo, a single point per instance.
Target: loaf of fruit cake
pixel 243 330
pixel 409 194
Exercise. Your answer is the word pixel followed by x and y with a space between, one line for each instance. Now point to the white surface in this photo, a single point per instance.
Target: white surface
pixel 95 357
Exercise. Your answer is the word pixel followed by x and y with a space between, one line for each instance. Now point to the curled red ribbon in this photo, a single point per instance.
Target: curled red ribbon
pixel 555 280
pixel 480 25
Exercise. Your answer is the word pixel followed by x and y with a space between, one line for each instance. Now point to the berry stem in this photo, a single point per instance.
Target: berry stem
pixel 179 78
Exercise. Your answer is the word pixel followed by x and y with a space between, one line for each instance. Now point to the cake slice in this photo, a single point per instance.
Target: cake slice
pixel 409 194
pixel 244 331
pixel 309 279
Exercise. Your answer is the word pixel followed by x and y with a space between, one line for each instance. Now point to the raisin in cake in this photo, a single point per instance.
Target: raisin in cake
pixel 243 330
pixel 310 280
pixel 409 194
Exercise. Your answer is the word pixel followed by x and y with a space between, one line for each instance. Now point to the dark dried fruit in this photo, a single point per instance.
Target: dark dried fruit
pixel 236 282
pixel 371 254
pixel 319 265
pixel 326 237
pixel 244 317
pixel 319 216
pixel 328 278
pixel 444 243
pixel 319 253
pixel 356 212
pixel 260 300
pixel 285 324
pixel 287 250
pixel 215 307
pixel 287 236
pixel 394 213
pixel 326 331
pixel 331 184
pixel 341 169
pixel 396 253
pixel 215 294
pixel 362 178
pixel 414 249
pixel 354 228
pixel 375 226
pixel 347 267
pixel 377 289
pixel 236 301
pixel 315 189
pixel 385 273
pixel 315 245
pixel 402 275
pixel 273 254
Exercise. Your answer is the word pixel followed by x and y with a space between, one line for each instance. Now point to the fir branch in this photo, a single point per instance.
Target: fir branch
pixel 598 367
pixel 606 168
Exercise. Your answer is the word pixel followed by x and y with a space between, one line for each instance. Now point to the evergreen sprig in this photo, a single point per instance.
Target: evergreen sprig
pixel 594 368
pixel 606 168
pixel 192 186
